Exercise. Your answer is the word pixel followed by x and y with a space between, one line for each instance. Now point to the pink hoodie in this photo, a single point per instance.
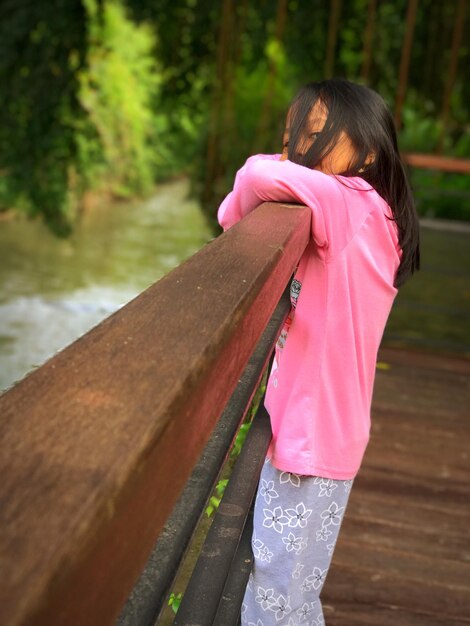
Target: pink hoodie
pixel 320 386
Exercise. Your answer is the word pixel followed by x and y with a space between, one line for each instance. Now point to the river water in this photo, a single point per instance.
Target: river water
pixel 54 290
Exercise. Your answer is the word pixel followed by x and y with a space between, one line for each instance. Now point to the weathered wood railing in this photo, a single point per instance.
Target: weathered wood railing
pixel 99 442
pixel 437 162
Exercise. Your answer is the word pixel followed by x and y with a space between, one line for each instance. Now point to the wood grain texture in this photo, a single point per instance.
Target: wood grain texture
pixel 403 554
pixel 97 443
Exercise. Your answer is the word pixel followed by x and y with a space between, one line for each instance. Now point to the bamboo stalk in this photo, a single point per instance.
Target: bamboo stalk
pixel 281 19
pixel 452 73
pixel 368 39
pixel 405 60
pixel 215 117
pixel 333 27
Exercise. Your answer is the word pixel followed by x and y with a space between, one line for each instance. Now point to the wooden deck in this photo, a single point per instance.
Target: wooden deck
pixel 403 555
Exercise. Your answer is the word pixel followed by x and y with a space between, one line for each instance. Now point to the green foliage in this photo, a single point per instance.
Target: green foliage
pixel 216 497
pixel 438 194
pixel 117 94
pixel 81 112
pixel 441 194
pixel 117 89
pixel 242 433
pixel 421 133
pixel 39 100
pixel 174 601
pixel 219 490
pixel 186 119
pixel 251 87
pixel 240 439
pixel 186 41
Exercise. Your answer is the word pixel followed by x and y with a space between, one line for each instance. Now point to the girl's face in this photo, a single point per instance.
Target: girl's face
pixel 342 154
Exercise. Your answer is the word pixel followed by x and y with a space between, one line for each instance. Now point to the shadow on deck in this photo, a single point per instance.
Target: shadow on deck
pixel 403 555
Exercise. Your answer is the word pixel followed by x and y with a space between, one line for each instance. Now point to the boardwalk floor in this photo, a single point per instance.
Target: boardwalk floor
pixel 403 556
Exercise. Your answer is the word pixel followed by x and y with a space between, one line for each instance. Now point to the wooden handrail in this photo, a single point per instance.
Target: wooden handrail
pixel 435 162
pixel 97 443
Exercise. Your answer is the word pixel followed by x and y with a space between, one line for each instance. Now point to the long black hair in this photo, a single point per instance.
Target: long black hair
pixel 366 119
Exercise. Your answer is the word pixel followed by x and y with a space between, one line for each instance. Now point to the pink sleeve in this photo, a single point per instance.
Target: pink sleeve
pixel 284 181
pixel 231 211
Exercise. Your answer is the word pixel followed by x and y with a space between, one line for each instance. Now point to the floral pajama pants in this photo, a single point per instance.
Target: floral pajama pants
pixel 296 525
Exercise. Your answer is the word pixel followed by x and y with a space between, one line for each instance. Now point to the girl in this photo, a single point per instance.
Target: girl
pixel 340 158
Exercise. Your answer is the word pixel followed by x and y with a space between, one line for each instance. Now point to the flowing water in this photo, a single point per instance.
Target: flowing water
pixel 54 290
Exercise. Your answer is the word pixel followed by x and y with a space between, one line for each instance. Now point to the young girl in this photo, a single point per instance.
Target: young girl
pixel 341 159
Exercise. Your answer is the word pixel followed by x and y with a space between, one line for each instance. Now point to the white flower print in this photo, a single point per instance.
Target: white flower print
pixel 265 554
pixel 294 543
pixel 298 568
pixel 258 623
pixel 319 621
pixel 281 607
pixel 287 477
pixel 326 488
pixel 298 516
pixel 267 490
pixel 323 534
pixel 275 519
pixel 291 622
pixel 330 547
pixel 290 542
pixel 261 551
pixel 305 610
pixel 347 485
pixel 332 515
pixel 244 608
pixel 315 579
pixel 257 545
pixel 265 597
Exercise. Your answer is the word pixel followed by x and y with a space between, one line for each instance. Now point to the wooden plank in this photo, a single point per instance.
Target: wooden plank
pixel 444 401
pixel 439 437
pixel 421 489
pixel 418 363
pixel 431 460
pixel 356 614
pixel 403 555
pixel 346 583
pixel 99 441
pixel 399 510
pixel 435 415
pixel 438 423
pixel 427 541
pixel 404 564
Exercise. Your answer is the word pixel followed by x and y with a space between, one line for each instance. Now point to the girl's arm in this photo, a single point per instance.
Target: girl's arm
pixel 230 211
pixel 261 180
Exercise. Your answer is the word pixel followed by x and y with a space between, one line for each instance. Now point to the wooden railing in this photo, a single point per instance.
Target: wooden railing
pixel 99 442
pixel 436 162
